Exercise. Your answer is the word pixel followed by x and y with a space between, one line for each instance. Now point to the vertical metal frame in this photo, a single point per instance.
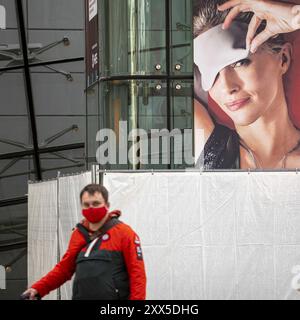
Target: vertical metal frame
pixel 28 88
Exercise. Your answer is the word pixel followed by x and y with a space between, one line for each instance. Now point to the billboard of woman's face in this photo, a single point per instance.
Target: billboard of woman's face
pixel 250 88
pixel 248 117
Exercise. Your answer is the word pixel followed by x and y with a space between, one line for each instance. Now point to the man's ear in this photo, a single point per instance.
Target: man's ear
pixel 286 57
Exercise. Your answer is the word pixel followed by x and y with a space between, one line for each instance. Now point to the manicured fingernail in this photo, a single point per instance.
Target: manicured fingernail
pixel 253 49
pixel 248 44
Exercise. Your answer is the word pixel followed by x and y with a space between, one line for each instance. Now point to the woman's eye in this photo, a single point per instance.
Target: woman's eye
pixel 241 63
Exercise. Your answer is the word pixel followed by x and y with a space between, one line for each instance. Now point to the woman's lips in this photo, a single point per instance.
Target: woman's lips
pixel 237 104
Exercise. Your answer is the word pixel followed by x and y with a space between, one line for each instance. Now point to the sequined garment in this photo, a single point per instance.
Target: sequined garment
pixel 221 151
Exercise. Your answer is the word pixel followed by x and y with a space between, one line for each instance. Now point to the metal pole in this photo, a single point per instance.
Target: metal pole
pixel 168 67
pixel 94 173
pixel 13 202
pixel 58 237
pixel 133 27
pixel 29 94
pixel 43 63
pixel 192 170
pixel 20 154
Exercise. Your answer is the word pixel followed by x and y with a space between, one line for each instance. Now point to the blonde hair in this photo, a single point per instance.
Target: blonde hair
pixel 206 16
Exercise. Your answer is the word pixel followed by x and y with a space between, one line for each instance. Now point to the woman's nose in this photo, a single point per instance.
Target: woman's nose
pixel 229 80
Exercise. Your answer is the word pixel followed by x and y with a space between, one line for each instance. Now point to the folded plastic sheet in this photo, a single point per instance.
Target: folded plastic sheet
pixel 214 235
pixel 42 231
pixel 52 206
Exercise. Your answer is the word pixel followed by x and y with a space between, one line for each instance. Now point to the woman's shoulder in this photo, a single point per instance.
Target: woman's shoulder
pixel 220 136
pixel 221 150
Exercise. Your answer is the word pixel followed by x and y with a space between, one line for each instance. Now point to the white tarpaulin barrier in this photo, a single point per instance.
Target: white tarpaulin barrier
pixel 42 231
pixel 52 206
pixel 214 235
pixel 205 236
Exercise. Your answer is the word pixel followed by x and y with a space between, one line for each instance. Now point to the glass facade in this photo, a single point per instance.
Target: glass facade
pixel 49 119
pixel 146 72
pixel 42 114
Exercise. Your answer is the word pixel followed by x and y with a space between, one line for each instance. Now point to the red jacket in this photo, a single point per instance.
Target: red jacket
pixel 120 238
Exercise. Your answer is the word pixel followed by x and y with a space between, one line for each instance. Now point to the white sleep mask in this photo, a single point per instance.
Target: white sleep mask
pixel 216 49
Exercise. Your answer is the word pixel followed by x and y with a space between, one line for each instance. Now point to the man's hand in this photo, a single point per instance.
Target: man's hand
pixel 280 17
pixel 31 294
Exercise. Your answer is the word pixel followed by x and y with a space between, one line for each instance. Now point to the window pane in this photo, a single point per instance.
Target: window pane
pixel 142 104
pixel 10 53
pixel 56 32
pixel 12 92
pixel 56 14
pixel 14 134
pixel 182 98
pixel 133 44
pixel 65 130
pixel 55 95
pixel 14 186
pixel 182 118
pixel 93 126
pixel 182 48
pixel 66 162
pixel 57 131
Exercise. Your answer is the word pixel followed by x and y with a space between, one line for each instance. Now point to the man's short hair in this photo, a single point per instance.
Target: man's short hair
pixel 91 189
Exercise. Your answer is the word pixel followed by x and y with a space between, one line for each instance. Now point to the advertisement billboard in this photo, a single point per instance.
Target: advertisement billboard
pixel 246 98
pixel 92 42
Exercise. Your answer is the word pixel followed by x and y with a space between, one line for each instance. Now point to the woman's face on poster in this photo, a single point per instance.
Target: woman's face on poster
pixel 247 89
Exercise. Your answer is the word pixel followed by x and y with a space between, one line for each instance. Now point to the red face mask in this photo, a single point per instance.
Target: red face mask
pixel 94 215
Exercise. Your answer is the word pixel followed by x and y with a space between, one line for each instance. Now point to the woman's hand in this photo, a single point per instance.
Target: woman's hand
pixel 280 17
